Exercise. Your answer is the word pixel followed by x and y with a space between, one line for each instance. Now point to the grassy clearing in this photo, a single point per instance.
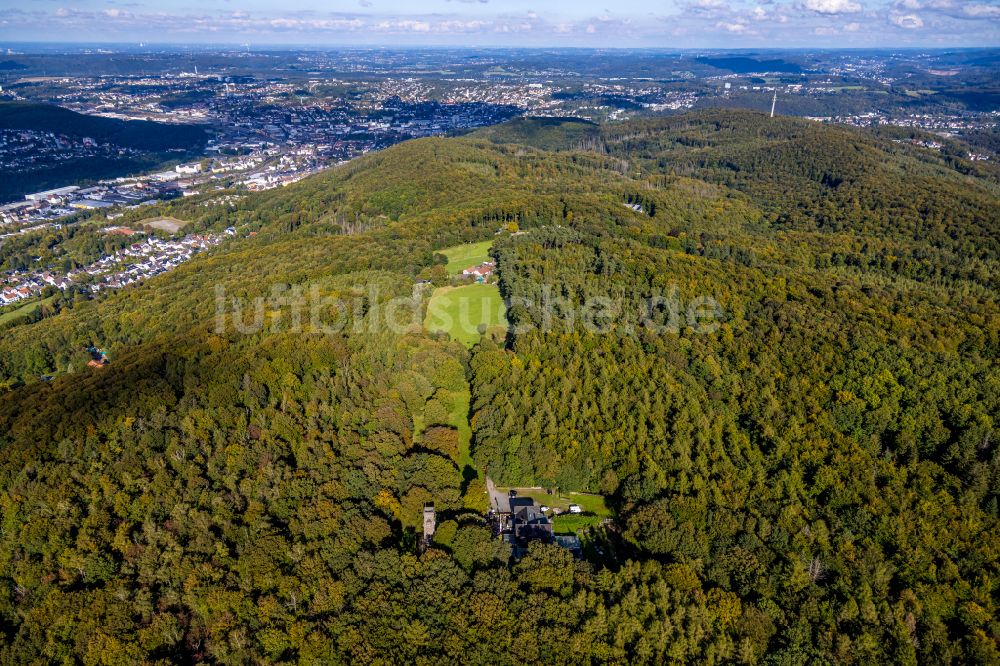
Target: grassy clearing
pixel 460 419
pixel 589 503
pixel 465 256
pixel 571 523
pixel 459 311
pixel 27 309
pixel 595 509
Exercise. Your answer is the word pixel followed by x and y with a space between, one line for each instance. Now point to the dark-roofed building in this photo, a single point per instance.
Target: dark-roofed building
pixel 515 502
pixel 570 542
pixel 519 521
pixel 530 524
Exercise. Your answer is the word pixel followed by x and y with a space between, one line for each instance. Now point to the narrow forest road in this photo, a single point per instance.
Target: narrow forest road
pixel 498 501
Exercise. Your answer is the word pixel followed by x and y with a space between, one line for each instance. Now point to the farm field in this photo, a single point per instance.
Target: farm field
pixel 464 256
pixel 460 311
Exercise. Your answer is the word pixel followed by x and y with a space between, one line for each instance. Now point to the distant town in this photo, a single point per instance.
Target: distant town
pixel 271 119
pixel 148 256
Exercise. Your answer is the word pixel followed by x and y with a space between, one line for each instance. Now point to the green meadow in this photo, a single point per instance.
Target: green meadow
pixel 467 255
pixel 457 403
pixel 459 311
pixel 26 309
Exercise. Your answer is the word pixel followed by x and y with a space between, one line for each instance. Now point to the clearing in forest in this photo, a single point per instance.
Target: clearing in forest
pixel 169 224
pixel 467 255
pixel 592 506
pixel 463 311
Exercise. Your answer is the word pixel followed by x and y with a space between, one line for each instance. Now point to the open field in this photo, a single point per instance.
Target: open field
pixel 25 309
pixel 571 523
pixel 465 256
pixel 459 311
pixel 169 224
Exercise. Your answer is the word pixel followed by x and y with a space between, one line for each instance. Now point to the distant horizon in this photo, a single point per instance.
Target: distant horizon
pixel 668 24
pixel 263 46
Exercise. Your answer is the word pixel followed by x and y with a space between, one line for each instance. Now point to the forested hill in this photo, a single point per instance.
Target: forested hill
pixel 139 134
pixel 544 133
pixel 812 478
pixel 122 147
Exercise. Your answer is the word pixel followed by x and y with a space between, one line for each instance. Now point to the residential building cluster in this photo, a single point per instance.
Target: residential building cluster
pixel 147 259
pixel 23 149
pixel 137 262
pixel 952 124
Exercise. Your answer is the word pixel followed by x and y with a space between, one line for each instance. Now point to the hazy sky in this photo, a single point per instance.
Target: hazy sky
pixel 662 23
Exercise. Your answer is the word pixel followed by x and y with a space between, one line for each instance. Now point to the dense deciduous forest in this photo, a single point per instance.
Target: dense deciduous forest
pixel 813 478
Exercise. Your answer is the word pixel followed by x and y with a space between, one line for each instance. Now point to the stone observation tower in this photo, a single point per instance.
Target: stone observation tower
pixel 430 521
